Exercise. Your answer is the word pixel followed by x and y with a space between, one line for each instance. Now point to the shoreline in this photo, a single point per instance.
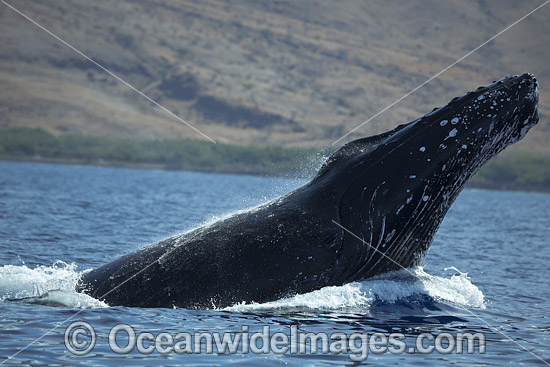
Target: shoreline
pixel 152 166
pixel 190 168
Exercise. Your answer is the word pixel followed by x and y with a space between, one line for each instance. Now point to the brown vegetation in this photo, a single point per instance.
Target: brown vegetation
pixel 247 72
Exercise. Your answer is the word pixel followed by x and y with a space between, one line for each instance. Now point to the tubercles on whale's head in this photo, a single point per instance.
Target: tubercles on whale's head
pixel 405 182
pixel 473 128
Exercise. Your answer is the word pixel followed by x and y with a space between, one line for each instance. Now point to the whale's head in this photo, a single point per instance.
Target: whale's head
pixel 395 188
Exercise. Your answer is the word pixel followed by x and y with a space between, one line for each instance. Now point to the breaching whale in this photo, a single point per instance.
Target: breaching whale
pixel 373 207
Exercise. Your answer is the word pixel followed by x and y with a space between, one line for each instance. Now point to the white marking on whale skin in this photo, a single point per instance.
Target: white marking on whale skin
pixel 425 198
pixel 422 149
pixel 416 212
pixel 428 160
pixel 389 237
pixel 452 134
pixel 443 123
pixel 412 176
pixel 371 216
pixel 464 146
pixel 443 146
pixel 409 199
pixel 480 97
pixel 454 120
pixel 382 231
pixel 532 95
pixel 399 209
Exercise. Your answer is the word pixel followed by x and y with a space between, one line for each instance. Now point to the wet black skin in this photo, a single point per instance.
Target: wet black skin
pixel 391 190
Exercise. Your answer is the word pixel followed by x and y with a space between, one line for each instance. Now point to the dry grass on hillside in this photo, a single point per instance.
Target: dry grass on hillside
pixel 247 72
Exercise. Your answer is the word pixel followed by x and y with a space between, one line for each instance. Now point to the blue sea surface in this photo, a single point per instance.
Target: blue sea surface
pixel 487 272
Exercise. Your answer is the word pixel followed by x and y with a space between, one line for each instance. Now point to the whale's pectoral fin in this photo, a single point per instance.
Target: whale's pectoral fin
pixel 362 145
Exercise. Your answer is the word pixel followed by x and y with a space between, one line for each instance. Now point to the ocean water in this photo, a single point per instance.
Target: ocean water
pixel 487 272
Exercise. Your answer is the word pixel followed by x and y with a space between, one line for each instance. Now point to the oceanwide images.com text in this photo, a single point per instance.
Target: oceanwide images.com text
pixel 81 338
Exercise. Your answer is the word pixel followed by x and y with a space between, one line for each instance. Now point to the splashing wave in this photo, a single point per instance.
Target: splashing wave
pixel 388 288
pixel 55 286
pixel 50 285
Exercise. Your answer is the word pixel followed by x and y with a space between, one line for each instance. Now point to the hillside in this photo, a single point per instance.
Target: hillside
pixel 247 72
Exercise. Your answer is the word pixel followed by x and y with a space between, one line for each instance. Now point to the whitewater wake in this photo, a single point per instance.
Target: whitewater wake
pixel 55 286
pixel 49 285
pixel 457 289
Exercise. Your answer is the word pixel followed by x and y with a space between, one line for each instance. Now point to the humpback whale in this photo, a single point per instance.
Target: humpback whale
pixel 373 207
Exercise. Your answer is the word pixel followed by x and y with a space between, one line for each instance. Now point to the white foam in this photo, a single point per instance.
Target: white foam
pixel 388 288
pixel 45 284
pixel 348 295
pixel 56 285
